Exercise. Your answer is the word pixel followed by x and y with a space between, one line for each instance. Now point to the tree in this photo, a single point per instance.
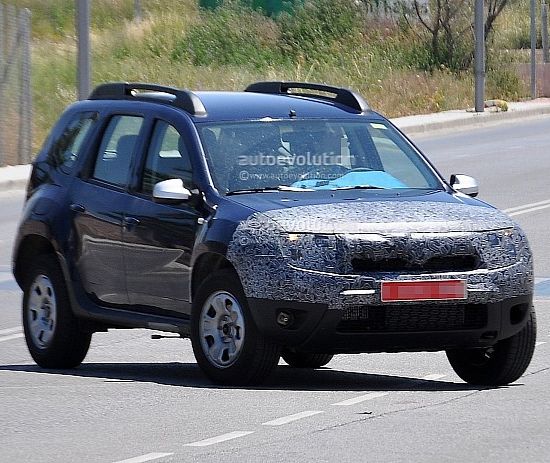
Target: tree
pixel 449 25
pixel 494 8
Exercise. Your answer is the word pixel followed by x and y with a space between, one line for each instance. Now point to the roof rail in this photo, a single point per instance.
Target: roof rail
pixel 183 99
pixel 342 96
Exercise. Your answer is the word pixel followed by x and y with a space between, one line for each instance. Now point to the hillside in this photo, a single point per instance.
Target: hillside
pixel 177 44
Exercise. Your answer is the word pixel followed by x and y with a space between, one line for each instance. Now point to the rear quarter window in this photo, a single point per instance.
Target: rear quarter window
pixel 66 148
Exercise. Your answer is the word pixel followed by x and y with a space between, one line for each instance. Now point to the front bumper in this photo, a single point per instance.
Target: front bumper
pixel 406 327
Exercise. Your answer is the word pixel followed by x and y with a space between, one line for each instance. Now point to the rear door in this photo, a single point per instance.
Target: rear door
pixel 159 238
pixel 99 201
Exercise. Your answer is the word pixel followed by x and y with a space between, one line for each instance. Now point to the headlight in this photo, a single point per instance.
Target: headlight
pixel 311 251
pixel 503 248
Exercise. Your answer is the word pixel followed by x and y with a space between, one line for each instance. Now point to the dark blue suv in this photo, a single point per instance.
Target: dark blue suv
pixel 286 220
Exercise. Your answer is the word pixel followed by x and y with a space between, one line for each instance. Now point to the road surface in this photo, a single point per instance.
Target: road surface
pixel 135 399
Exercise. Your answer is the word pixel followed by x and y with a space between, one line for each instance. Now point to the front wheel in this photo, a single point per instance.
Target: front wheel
pixel 52 332
pixel 500 364
pixel 227 344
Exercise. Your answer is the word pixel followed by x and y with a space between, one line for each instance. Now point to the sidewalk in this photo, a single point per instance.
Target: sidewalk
pixel 461 119
pixel 15 177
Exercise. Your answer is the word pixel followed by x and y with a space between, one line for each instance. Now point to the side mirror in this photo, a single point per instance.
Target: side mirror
pixel 465 184
pixel 171 191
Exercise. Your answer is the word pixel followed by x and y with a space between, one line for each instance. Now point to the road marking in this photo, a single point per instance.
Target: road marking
pixel 433 377
pixel 540 343
pixel 15 329
pixel 546 202
pixel 218 439
pixel 147 457
pixel 361 398
pixel 11 336
pixel 526 211
pixel 291 418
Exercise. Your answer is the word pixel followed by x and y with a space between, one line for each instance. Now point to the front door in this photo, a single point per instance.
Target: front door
pixel 159 238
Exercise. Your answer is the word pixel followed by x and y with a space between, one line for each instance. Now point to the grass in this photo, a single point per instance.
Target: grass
pixel 176 44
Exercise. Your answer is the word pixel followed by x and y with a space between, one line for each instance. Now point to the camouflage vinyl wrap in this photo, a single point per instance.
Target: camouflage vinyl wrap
pixel 313 253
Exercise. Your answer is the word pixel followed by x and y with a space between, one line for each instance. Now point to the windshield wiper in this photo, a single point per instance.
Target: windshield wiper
pixel 360 187
pixel 267 189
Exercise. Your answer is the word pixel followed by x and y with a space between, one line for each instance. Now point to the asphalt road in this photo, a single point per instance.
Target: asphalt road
pixel 137 400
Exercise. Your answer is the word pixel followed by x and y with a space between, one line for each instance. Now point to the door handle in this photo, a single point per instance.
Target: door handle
pixel 77 208
pixel 130 222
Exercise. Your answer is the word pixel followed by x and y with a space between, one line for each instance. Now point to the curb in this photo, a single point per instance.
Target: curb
pixel 14 177
pixel 465 120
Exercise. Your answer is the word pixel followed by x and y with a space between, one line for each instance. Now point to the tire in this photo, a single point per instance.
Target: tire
pixel 500 364
pixel 298 359
pixel 227 345
pixel 52 332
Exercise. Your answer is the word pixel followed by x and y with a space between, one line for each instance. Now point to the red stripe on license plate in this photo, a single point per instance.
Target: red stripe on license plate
pixel 425 290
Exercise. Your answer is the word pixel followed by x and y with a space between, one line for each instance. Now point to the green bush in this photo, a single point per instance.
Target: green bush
pixel 504 84
pixel 230 35
pixel 321 30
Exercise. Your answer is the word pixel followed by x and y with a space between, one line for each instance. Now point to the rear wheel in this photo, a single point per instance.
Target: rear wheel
pixel 299 359
pixel 227 344
pixel 52 333
pixel 500 364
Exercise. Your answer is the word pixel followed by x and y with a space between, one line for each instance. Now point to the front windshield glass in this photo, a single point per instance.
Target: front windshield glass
pixel 306 155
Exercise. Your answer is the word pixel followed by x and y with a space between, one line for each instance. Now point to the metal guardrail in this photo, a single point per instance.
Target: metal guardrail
pixel 15 86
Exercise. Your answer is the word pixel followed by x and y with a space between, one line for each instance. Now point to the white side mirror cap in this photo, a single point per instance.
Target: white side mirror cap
pixel 171 190
pixel 465 184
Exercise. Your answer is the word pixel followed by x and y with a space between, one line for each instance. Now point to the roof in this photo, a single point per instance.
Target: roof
pixel 247 105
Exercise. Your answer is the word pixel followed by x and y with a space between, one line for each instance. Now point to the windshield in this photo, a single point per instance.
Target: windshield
pixel 312 155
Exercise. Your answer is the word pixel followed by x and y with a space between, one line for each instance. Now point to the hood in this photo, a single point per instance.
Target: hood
pixel 389 217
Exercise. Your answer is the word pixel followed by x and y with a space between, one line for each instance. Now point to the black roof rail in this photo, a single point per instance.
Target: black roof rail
pixel 343 96
pixel 183 99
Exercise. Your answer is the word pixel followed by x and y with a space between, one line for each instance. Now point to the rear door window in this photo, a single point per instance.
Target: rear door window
pixel 117 150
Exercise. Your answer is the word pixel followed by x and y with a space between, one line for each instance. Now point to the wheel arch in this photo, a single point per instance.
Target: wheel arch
pixel 28 249
pixel 206 264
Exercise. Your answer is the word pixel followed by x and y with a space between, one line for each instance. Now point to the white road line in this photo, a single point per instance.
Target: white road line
pixel 15 329
pixel 218 439
pixel 361 398
pixel 11 336
pixel 291 418
pixel 526 211
pixel 433 377
pixel 524 206
pixel 147 457
pixel 540 343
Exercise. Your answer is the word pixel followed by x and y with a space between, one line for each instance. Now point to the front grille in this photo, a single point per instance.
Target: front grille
pixel 409 318
pixel 455 263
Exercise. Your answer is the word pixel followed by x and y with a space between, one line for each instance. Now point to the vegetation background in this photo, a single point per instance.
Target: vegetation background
pixel 387 58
